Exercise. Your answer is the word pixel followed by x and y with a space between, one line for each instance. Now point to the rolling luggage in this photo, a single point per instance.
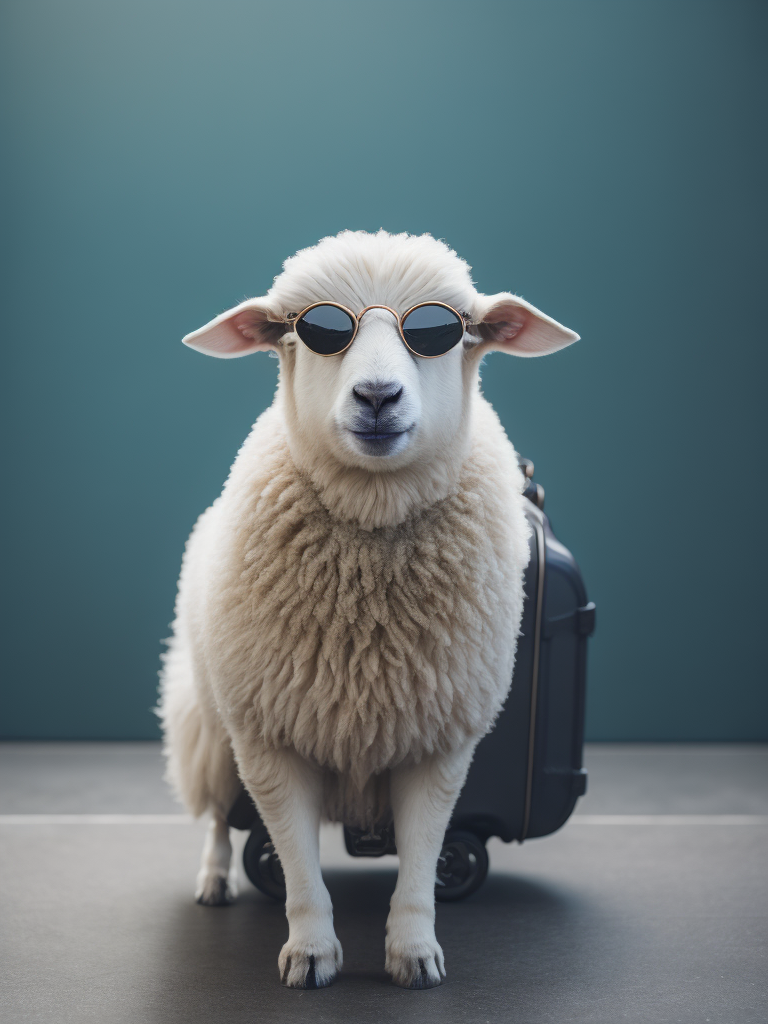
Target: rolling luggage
pixel 527 773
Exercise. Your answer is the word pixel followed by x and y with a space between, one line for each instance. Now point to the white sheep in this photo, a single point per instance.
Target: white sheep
pixel 348 608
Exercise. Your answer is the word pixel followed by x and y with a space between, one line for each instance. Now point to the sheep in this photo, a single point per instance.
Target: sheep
pixel 348 608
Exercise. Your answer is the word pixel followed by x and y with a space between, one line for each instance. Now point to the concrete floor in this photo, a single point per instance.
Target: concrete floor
pixel 651 905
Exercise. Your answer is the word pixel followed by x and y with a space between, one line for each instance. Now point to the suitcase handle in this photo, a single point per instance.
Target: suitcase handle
pixel 533 492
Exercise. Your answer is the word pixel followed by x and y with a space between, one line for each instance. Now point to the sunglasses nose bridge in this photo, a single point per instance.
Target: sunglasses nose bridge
pixel 378 306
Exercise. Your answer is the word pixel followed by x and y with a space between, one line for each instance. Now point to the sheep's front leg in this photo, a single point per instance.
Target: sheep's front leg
pixel 288 792
pixel 422 797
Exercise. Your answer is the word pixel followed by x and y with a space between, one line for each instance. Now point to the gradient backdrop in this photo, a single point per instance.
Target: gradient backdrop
pixel 604 159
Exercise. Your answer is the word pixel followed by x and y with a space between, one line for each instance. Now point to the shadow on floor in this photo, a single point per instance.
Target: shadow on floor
pixel 513 937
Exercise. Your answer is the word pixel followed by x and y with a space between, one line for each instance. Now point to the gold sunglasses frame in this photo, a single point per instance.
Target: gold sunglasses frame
pixel 293 318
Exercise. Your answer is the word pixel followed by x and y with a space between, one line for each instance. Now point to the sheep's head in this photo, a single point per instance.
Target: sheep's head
pixel 377 416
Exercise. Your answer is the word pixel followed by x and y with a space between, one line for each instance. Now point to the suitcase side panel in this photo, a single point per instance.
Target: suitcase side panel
pixel 558 778
pixel 493 800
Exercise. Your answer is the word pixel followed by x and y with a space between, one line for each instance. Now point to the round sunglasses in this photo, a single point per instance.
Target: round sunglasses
pixel 429 329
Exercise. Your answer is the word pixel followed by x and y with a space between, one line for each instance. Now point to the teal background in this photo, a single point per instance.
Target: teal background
pixel 604 159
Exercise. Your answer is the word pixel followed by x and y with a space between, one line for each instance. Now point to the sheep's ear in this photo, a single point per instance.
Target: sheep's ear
pixel 250 327
pixel 507 323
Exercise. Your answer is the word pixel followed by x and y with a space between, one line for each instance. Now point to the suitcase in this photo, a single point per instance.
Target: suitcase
pixel 527 772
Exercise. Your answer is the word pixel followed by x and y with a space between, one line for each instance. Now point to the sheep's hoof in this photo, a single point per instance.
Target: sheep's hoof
pixel 215 891
pixel 411 971
pixel 300 969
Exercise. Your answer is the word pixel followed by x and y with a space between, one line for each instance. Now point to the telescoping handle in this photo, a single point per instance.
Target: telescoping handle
pixel 533 492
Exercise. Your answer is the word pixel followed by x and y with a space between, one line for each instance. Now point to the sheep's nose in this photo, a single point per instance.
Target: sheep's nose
pixel 377 393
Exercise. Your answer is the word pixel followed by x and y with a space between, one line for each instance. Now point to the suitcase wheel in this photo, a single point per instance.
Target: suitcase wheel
pixel 461 866
pixel 262 865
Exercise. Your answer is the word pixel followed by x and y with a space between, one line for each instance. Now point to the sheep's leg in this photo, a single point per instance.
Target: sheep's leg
pixel 422 799
pixel 288 792
pixel 216 881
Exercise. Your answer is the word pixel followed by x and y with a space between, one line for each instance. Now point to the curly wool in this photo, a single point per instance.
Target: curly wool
pixel 357 268
pixel 358 647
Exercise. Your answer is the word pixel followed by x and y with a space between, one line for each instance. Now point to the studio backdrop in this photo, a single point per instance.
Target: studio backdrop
pixel 604 160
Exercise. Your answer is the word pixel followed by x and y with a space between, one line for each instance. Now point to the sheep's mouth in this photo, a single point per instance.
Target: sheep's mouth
pixel 381 442
pixel 366 435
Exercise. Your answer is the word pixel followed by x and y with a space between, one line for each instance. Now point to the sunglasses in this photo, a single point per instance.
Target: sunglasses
pixel 429 330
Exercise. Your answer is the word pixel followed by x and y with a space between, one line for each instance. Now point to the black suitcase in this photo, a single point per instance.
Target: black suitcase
pixel 527 773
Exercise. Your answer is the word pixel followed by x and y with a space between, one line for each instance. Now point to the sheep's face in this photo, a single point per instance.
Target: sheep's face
pixel 377 403
pixel 377 407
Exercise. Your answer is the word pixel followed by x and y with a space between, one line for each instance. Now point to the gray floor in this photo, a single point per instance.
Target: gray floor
pixel 651 905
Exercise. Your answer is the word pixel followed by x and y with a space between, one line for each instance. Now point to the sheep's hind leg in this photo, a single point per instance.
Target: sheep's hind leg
pixel 422 798
pixel 288 792
pixel 216 880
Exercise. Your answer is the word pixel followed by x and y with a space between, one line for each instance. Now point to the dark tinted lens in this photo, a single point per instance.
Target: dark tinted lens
pixel 432 330
pixel 327 330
